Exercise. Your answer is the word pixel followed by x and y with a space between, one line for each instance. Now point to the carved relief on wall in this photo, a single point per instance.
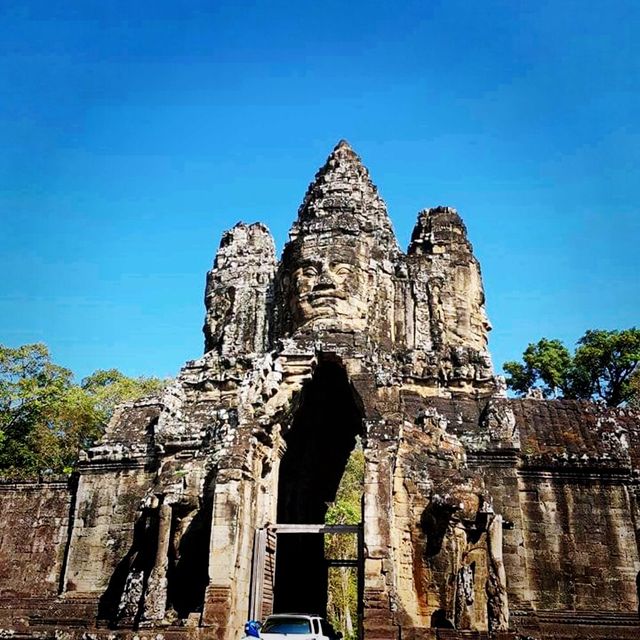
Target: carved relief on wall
pixel 464 553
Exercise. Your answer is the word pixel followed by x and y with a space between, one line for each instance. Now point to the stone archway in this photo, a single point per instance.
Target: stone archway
pixel 318 445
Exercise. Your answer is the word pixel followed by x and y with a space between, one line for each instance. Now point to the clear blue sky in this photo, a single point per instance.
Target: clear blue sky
pixel 133 133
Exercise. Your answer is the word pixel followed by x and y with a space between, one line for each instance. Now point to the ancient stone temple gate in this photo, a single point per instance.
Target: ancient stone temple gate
pixel 482 516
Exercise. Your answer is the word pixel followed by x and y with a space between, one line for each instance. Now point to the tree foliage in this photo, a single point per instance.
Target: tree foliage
pixel 605 366
pixel 45 418
pixel 342 602
pixel 605 362
pixel 547 362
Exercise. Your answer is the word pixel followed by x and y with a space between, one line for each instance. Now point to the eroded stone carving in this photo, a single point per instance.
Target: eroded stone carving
pixel 340 254
pixel 498 602
pixel 329 286
pixel 464 545
pixel 238 289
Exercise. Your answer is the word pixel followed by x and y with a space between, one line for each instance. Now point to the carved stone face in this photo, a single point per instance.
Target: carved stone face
pixel 329 285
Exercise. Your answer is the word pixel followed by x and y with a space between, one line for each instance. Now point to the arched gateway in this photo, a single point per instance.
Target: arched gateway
pixel 481 515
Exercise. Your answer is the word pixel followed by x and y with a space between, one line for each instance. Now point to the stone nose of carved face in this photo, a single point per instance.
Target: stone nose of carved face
pixel 325 281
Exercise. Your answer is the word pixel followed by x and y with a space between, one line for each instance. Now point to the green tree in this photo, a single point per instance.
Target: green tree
pixel 634 384
pixel 605 363
pixel 45 419
pixel 342 601
pixel 604 366
pixel 547 363
pixel 32 390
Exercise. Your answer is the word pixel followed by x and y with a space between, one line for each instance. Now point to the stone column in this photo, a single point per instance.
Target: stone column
pixel 498 604
pixel 155 600
pixel 219 595
pixel 378 622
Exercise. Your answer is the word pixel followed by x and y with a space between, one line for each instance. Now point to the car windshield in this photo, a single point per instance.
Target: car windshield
pixel 286 625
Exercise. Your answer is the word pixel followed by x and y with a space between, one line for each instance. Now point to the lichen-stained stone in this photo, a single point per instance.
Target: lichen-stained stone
pixel 482 516
pixel 451 320
pixel 338 269
pixel 237 292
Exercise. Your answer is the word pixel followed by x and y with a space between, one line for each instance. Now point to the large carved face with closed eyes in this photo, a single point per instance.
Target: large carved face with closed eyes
pixel 328 285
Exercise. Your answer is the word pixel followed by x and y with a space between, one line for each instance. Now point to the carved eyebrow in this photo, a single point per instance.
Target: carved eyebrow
pixel 305 264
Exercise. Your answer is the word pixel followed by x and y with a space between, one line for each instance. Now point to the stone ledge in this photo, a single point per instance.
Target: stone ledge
pixel 611 475
pixel 36 482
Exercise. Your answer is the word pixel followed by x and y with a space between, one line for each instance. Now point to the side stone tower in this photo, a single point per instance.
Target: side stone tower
pixel 481 516
pixel 239 291
pixel 448 301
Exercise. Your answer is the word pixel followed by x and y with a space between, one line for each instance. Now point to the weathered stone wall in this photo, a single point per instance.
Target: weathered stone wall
pixel 33 537
pixel 580 542
pixel 559 475
pixel 105 512
pixel 500 473
pixel 446 533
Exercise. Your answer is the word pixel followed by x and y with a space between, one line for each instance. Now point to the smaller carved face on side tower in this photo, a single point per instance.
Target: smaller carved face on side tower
pixel 328 284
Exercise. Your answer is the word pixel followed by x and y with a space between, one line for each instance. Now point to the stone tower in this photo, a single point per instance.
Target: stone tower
pixel 204 507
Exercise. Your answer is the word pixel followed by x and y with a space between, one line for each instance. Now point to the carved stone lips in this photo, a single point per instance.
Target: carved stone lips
pixel 324 295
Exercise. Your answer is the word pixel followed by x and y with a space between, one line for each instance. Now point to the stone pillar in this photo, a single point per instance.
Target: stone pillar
pixel 497 601
pixel 219 596
pixel 378 621
pixel 155 600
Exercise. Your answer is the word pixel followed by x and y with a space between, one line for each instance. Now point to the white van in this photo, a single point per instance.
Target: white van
pixel 281 626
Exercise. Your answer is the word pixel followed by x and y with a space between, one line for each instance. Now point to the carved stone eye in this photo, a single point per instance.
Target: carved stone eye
pixel 342 270
pixel 309 271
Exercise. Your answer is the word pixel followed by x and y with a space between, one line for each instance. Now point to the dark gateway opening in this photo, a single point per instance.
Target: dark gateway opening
pixel 322 437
